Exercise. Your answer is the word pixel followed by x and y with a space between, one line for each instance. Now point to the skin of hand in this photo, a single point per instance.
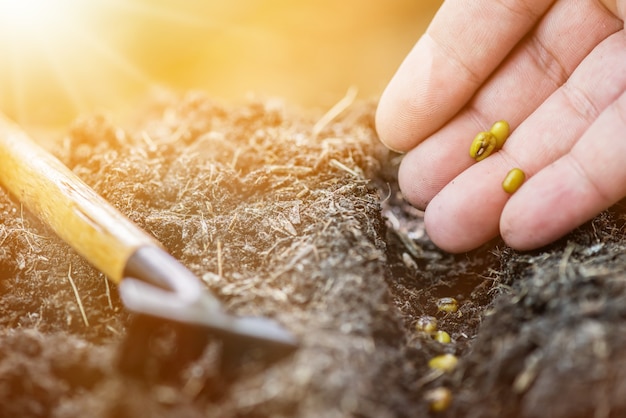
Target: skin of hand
pixel 556 71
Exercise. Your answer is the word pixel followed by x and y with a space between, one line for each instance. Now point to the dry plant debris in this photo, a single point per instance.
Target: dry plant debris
pixel 298 218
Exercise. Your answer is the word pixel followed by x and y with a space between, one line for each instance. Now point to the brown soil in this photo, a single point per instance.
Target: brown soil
pixel 309 230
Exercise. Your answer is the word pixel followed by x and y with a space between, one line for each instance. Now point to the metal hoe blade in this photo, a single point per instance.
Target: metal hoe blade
pixel 163 291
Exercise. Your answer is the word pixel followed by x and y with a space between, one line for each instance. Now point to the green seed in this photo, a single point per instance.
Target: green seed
pixel 501 131
pixel 443 337
pixel 427 324
pixel 447 305
pixel 439 399
pixel 513 180
pixel 444 362
pixel 483 145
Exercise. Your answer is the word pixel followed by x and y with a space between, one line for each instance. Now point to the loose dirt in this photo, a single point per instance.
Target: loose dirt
pixel 303 223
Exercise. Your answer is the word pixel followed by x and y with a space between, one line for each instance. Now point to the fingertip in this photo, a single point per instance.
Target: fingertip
pixel 436 230
pixel 448 239
pixel 385 136
pixel 534 216
pixel 465 214
pixel 412 179
pixel 426 169
pixel 526 237
pixel 520 239
pixel 450 231
pixel 389 120
pixel 420 98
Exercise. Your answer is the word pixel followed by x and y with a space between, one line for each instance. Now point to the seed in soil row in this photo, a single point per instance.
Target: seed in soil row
pixel 443 362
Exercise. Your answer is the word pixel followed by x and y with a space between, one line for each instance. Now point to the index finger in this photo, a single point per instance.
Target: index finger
pixel 463 45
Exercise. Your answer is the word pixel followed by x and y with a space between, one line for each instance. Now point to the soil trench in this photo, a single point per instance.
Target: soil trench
pixel 303 223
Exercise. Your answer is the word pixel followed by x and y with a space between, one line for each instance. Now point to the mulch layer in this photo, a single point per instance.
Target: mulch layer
pixel 289 216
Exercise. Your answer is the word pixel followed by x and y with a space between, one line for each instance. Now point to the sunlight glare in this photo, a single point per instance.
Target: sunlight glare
pixel 32 19
pixel 54 51
pixel 60 58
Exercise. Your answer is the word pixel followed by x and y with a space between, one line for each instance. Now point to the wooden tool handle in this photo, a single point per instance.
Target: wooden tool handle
pixel 76 213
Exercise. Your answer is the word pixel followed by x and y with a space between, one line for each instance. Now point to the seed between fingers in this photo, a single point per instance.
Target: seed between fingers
pixel 513 180
pixel 482 146
pixel 489 141
pixel 501 131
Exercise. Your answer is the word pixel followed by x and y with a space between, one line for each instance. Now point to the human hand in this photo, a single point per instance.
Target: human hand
pixel 556 71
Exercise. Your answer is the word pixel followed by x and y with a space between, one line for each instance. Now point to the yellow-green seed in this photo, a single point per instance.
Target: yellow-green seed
pixel 443 337
pixel 427 324
pixel 513 180
pixel 501 131
pixel 482 146
pixel 443 362
pixel 447 305
pixel 439 399
pixel 485 143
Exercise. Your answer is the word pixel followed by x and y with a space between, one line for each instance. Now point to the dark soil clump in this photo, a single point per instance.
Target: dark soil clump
pixel 304 224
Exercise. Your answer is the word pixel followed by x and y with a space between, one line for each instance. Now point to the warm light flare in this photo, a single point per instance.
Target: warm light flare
pixel 57 61
pixel 23 20
pixel 60 58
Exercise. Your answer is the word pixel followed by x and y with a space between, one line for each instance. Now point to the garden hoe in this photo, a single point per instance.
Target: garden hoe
pixel 154 285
